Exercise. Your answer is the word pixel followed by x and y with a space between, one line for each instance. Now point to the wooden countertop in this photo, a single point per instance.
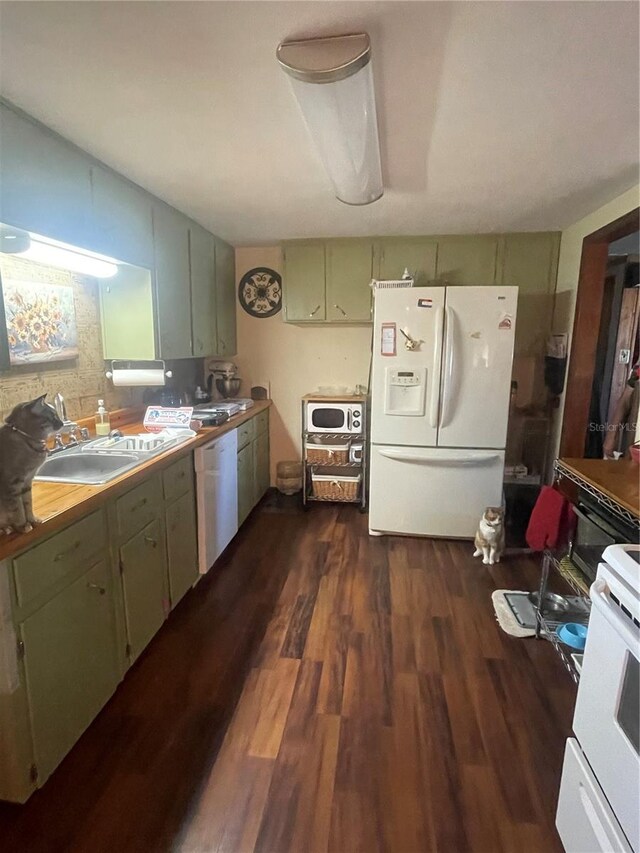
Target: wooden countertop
pixel 58 504
pixel 619 480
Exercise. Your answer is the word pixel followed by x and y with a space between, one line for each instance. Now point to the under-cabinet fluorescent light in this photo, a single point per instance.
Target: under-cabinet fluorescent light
pixel 60 255
pixel 332 81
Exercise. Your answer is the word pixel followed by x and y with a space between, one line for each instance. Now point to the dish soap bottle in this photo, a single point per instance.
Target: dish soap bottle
pixel 103 424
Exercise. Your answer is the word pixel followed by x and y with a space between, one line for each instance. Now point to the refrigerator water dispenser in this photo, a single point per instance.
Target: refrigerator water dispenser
pixel 405 392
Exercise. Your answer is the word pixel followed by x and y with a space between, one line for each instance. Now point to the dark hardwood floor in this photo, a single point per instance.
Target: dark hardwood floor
pixel 378 706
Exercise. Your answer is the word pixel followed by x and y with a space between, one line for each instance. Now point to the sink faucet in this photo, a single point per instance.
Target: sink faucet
pixel 60 407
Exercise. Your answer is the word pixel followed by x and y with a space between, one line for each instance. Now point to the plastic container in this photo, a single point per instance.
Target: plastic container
pixel 289 477
pixel 103 420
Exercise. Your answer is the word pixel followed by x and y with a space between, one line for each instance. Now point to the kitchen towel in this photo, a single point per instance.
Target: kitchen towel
pixel 551 520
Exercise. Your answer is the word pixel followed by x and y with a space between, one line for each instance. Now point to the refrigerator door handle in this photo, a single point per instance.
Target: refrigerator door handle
pixel 449 368
pixel 437 365
pixel 468 460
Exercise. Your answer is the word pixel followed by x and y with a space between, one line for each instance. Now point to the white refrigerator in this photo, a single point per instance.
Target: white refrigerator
pixel 441 381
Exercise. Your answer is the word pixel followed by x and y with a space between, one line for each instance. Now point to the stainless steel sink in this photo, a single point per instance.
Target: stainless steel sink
pixel 86 467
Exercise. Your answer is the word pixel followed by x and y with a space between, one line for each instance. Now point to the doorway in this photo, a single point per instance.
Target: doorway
pixel 617 349
pixel 591 304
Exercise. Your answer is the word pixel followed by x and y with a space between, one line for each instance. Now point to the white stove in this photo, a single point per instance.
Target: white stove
pixel 600 788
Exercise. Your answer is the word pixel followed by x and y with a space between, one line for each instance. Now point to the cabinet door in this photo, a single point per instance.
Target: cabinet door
pixel 530 261
pixel 467 260
pixel 417 254
pixel 182 546
pixel 226 299
pixel 261 473
pixel 303 282
pixel 349 271
pixel 246 482
pixel 173 288
pixel 143 565
pixel 46 185
pixel 202 254
pixel 71 663
pixel 127 315
pixel 122 219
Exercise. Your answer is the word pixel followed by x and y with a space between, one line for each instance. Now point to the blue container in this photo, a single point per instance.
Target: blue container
pixel 573 634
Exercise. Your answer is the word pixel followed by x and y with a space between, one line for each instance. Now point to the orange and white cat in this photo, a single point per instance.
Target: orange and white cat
pixel 489 539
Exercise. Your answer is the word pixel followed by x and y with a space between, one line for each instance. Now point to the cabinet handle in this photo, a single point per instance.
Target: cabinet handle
pixel 66 553
pixel 342 311
pixel 101 589
pixel 153 542
pixel 139 504
pixel 315 311
pixel 224 346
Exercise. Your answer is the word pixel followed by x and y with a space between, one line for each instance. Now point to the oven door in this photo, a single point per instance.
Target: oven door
pixel 592 536
pixel 322 417
pixel 608 707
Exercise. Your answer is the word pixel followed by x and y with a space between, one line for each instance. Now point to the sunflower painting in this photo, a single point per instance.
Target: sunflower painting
pixel 41 322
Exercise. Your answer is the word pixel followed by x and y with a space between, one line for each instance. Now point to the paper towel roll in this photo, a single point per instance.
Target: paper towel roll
pixel 139 376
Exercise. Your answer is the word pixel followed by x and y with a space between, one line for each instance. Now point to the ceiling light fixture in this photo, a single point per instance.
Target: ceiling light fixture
pixel 42 250
pixel 332 81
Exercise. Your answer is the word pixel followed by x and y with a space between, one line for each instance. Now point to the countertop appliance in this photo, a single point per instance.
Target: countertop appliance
pixel 600 788
pixel 216 490
pixel 441 381
pixel 331 416
pixel 229 407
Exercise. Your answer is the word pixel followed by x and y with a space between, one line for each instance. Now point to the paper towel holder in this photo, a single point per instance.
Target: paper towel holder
pixel 122 366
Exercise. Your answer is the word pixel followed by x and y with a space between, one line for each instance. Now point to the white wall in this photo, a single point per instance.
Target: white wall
pixel 569 271
pixel 294 359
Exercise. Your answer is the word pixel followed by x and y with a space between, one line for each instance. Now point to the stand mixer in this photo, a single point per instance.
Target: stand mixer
pixel 227 384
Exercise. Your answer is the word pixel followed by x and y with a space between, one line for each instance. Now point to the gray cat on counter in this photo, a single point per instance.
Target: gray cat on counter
pixel 22 452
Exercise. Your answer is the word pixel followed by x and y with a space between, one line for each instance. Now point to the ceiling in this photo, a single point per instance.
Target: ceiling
pixel 493 116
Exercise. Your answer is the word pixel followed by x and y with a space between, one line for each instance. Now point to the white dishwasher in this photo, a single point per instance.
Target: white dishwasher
pixel 217 490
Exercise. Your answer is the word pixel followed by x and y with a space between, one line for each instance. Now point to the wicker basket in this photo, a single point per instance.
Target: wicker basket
pixel 327 454
pixel 335 487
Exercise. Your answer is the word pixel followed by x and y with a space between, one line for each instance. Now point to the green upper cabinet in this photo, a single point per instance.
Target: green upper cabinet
pixel 173 286
pixel 122 219
pixel 225 259
pixel 349 269
pixel 202 253
pixel 71 663
pixel 127 314
pixel 303 282
pixel 417 254
pixel 467 259
pixel 530 261
pixel 45 181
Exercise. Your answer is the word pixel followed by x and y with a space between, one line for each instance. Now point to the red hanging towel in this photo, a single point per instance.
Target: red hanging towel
pixel 551 520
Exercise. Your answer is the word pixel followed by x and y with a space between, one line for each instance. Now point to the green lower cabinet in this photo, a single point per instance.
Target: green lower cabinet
pixel 143 566
pixel 182 546
pixel 71 664
pixel 246 482
pixel 261 472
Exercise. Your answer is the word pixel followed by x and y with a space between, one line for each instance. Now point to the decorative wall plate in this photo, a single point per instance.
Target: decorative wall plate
pixel 260 292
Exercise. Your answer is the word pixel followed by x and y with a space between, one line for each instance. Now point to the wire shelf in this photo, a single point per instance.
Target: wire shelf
pixel 561 471
pixel 549 630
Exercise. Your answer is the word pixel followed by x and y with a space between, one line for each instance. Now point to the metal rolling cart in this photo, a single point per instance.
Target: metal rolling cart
pixel 580 604
pixel 331 475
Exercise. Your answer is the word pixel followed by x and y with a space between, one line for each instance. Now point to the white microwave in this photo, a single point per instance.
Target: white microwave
pixel 335 417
